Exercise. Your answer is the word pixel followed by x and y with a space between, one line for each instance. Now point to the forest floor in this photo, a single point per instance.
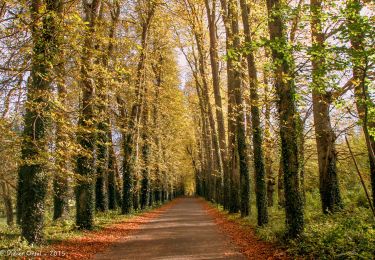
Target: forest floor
pixel 187 228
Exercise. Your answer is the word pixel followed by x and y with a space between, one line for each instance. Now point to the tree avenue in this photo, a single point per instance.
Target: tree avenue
pixel 122 105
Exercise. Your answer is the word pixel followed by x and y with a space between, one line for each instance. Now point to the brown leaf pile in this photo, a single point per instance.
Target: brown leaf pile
pixel 244 236
pixel 93 242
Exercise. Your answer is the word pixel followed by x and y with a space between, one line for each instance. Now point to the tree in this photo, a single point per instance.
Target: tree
pixel 325 137
pixel 32 182
pixel 235 89
pixel 214 57
pixel 285 90
pixel 85 188
pixel 60 182
pixel 357 28
pixel 260 175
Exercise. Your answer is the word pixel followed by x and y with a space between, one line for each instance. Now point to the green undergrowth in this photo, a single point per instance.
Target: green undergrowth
pixel 349 234
pixel 57 231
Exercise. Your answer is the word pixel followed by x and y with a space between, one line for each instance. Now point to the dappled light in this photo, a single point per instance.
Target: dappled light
pixel 187 129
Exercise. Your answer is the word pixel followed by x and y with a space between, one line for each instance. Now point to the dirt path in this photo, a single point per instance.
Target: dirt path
pixel 184 231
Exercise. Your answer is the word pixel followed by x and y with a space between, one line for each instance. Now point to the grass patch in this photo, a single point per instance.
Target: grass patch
pixel 349 234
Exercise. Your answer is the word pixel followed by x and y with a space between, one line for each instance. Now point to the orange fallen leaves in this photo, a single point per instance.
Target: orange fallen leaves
pixel 93 242
pixel 244 236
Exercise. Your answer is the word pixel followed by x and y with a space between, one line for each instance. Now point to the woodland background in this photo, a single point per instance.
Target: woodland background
pixel 265 108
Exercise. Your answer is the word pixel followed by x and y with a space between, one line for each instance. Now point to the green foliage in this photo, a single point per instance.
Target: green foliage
pixel 348 234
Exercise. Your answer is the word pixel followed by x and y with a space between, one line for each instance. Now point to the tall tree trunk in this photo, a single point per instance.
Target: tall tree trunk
pixel 360 68
pixel 60 181
pixel 85 188
pixel 260 185
pixel 103 126
pixel 112 169
pixel 268 142
pixel 285 89
pixel 301 153
pixel 325 137
pixel 214 58
pixel 146 153
pixel 240 118
pixel 101 107
pixel 112 188
pixel 32 178
pixel 230 158
pixel 157 68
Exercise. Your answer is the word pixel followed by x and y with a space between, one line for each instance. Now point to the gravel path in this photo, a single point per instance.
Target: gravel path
pixel 184 231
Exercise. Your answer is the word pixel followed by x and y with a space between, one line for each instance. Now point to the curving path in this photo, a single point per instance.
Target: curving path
pixel 184 231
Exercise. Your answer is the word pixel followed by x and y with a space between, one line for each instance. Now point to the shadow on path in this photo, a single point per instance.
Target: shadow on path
pixel 184 231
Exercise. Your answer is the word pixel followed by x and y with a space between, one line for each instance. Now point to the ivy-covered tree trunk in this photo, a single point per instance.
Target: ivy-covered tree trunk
pixel 32 183
pixel 101 198
pixel 240 116
pixel 260 175
pixel 285 90
pixel 325 137
pixel 146 153
pixel 60 181
pixel 357 28
pixel 229 160
pixel 85 188
pixel 158 71
pixel 113 202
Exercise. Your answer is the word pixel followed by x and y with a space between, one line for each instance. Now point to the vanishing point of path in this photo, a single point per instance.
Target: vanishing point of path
pixel 184 231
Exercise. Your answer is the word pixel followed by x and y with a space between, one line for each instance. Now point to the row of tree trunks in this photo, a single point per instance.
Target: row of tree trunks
pixel 130 192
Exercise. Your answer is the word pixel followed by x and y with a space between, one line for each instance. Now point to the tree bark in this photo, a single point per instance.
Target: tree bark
pixel 260 175
pixel 32 178
pixel 230 160
pixel 214 58
pixel 146 153
pixel 60 181
pixel 244 177
pixel 285 89
pixel 325 137
pixel 361 89
pixel 85 188
pixel 268 142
